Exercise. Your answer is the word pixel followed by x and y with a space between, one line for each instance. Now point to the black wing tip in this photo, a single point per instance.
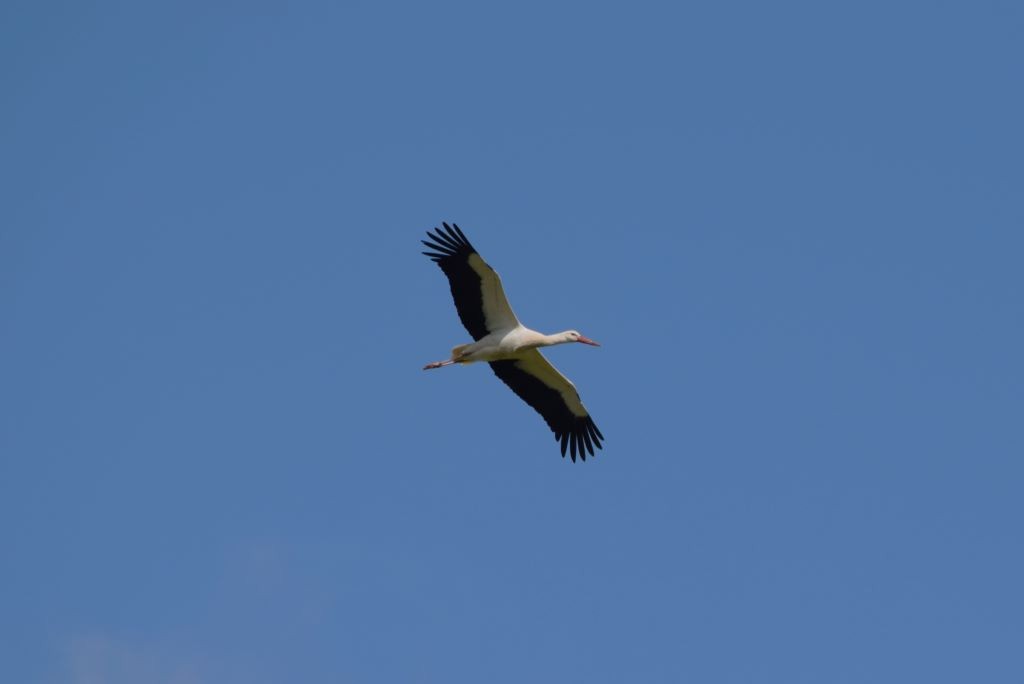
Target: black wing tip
pixel 449 241
pixel 580 439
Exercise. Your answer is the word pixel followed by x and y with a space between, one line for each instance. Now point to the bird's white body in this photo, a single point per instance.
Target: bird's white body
pixel 508 344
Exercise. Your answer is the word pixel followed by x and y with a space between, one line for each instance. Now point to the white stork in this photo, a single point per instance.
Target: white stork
pixel 508 346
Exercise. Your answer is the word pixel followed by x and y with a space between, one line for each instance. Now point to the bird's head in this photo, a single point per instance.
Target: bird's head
pixel 574 336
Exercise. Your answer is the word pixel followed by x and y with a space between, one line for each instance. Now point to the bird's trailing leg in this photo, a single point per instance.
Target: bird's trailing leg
pixel 458 354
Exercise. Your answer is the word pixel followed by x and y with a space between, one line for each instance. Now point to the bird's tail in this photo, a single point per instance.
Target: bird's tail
pixel 458 351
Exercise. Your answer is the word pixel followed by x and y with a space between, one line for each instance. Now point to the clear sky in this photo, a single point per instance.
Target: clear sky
pixel 796 227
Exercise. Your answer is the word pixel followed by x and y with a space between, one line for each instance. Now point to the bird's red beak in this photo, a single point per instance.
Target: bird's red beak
pixel 587 340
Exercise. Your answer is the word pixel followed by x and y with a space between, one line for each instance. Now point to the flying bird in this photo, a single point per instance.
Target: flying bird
pixel 511 349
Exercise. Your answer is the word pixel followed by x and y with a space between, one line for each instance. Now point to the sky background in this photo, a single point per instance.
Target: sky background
pixel 797 229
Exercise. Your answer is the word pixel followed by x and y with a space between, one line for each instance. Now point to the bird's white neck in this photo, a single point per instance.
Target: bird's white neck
pixel 542 340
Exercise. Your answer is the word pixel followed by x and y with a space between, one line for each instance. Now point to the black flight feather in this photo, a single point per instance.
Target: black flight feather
pixel 577 433
pixel 451 251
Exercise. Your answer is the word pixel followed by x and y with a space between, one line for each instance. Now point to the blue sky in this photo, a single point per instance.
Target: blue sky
pixel 796 228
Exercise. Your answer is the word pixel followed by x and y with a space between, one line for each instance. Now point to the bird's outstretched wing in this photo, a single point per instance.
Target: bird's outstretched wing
pixel 476 288
pixel 550 393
